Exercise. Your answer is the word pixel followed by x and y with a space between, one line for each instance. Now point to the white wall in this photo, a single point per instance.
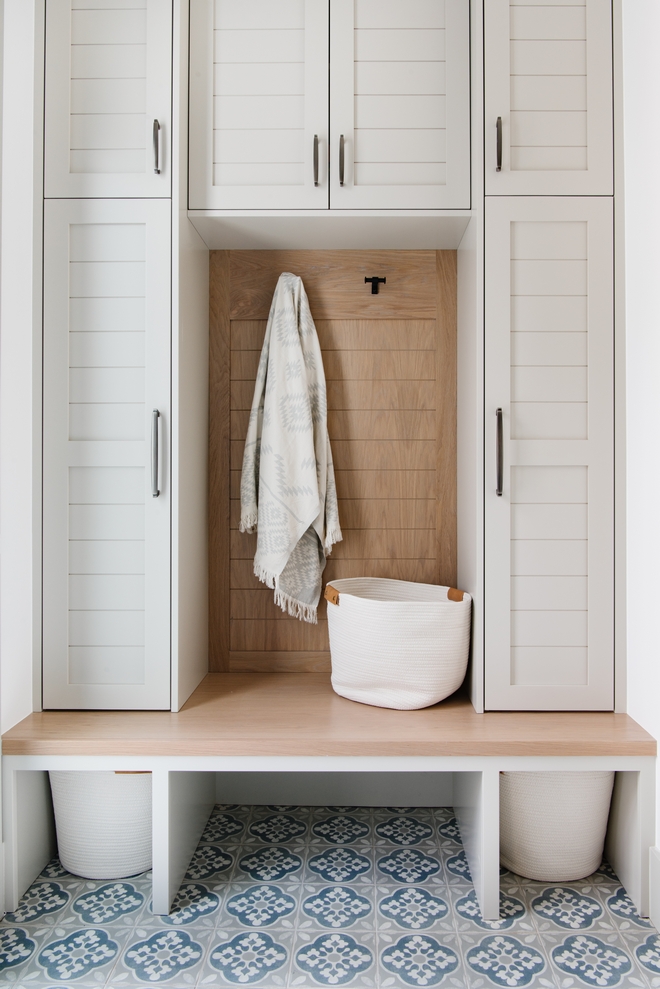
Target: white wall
pixel 641 75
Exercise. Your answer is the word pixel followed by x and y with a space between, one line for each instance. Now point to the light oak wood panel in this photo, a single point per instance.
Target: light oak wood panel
pixel 334 282
pixel 379 455
pixel 370 395
pixel 446 412
pixel 363 544
pixel 257 604
pixel 353 365
pixel 289 635
pixel 381 513
pixel 350 334
pixel 390 372
pixel 280 662
pixel 356 424
pixel 219 452
pixel 422 571
pixel 372 484
pixel 273 714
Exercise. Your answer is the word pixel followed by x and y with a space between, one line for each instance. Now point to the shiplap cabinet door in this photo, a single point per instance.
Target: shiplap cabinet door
pixel 106 542
pixel 108 78
pixel 258 100
pixel 549 537
pixel 548 75
pixel 400 97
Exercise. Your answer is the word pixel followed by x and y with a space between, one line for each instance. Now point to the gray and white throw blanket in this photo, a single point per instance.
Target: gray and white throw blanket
pixel 288 484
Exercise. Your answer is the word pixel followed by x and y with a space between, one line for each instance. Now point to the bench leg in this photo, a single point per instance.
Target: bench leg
pixel 477 809
pixel 182 804
pixel 28 830
pixel 631 832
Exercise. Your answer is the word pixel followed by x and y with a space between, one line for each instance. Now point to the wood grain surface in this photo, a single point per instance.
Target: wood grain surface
pixel 334 282
pixel 219 452
pixel 390 366
pixel 270 714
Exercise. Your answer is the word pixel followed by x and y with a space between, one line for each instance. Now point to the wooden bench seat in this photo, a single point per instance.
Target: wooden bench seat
pixel 292 714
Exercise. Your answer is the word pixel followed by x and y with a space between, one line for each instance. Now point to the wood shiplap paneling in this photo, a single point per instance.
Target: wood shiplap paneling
pixel 219 445
pixel 390 369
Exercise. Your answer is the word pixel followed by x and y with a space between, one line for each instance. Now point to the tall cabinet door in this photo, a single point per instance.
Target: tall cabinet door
pixel 259 104
pixel 108 98
pixel 549 534
pixel 400 104
pixel 106 549
pixel 548 78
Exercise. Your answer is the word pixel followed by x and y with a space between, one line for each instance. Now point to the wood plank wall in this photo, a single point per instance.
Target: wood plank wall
pixel 390 365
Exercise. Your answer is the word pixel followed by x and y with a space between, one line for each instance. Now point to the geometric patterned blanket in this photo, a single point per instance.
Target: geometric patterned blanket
pixel 288 492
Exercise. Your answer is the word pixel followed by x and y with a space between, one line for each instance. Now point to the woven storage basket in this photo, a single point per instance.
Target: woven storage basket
pixel 552 825
pixel 397 644
pixel 103 822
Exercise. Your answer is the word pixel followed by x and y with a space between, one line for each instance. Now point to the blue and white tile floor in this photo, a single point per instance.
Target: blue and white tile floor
pixel 332 896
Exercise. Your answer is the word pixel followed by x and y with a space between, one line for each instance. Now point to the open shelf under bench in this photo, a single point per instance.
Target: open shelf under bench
pixel 293 722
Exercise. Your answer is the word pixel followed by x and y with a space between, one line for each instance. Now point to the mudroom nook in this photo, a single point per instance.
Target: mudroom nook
pixel 461 263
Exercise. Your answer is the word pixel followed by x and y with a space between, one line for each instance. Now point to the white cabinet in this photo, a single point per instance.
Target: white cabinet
pixel 549 535
pixel 548 78
pixel 258 104
pixel 108 98
pixel 394 134
pixel 106 542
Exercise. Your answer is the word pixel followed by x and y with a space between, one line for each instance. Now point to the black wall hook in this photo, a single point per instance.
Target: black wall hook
pixel 374 284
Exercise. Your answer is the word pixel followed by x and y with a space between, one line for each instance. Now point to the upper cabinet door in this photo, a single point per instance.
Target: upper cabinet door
pixel 108 99
pixel 548 76
pixel 400 104
pixel 549 533
pixel 259 104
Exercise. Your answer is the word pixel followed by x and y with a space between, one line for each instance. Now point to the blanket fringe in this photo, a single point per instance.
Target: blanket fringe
pixel 332 536
pixel 248 523
pixel 297 609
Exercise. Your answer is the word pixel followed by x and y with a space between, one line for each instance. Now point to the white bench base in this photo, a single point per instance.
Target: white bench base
pixel 184 794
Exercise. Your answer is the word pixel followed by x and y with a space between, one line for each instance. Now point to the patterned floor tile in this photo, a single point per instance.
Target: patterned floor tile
pixel 248 957
pixel 281 897
pixel 334 958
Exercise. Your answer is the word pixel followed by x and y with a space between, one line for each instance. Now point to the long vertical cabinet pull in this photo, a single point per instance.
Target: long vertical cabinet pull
pixel 155 488
pixel 341 159
pixel 498 167
pixel 156 135
pixel 316 159
pixel 499 454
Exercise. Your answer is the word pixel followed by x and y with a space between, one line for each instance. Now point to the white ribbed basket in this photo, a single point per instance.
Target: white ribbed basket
pixel 552 825
pixel 397 644
pixel 103 822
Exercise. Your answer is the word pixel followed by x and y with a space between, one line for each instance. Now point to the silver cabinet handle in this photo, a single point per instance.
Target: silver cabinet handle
pixel 316 159
pixel 155 415
pixel 499 454
pixel 156 148
pixel 341 159
pixel 499 144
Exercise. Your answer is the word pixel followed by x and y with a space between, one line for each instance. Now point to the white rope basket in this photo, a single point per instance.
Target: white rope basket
pixel 103 822
pixel 397 644
pixel 552 825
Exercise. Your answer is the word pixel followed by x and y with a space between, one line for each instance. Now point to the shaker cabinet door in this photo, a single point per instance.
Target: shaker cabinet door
pixel 259 104
pixel 549 533
pixel 399 104
pixel 548 82
pixel 108 99
pixel 106 537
